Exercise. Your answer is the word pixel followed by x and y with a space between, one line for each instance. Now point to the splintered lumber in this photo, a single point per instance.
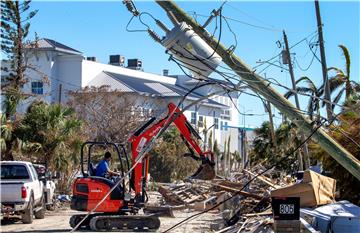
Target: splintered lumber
pixel 258 214
pixel 169 196
pixel 243 193
pixel 263 179
pixel 227 183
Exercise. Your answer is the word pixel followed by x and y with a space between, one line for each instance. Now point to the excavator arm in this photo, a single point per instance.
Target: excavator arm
pixel 188 134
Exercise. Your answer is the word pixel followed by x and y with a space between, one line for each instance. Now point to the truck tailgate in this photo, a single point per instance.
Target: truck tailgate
pixel 11 192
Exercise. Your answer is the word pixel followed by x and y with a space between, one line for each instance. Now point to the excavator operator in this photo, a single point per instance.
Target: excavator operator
pixel 102 168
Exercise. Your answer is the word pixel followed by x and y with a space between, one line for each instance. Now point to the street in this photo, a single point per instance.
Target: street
pixel 58 221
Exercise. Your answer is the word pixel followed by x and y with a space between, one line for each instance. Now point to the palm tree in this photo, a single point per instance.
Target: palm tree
pixel 315 93
pixel 50 132
pixel 262 145
pixel 341 79
pixel 7 138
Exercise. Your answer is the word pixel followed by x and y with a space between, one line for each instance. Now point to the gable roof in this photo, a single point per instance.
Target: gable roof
pixel 49 44
pixel 146 87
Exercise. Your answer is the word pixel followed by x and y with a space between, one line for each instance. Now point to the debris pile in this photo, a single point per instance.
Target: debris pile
pixel 200 195
pixel 251 209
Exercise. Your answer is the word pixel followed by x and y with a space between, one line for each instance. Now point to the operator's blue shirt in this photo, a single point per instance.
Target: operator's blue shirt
pixel 102 168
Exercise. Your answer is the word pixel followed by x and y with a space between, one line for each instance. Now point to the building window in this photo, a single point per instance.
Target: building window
pixel 224 126
pixel 37 88
pixel 216 123
pixel 193 118
pixel 226 115
pixel 201 121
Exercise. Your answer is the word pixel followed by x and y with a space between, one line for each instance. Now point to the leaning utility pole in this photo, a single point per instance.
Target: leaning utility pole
pixel 323 63
pixel 263 87
pixel 304 161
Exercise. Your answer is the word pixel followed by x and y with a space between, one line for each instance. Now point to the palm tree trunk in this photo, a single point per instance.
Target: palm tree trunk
pixel 348 88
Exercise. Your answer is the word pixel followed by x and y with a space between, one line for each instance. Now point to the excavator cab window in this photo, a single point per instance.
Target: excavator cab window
pixel 93 152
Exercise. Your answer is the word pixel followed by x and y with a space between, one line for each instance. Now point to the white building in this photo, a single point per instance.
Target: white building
pixel 61 69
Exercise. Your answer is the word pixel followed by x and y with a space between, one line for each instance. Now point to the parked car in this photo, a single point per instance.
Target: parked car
pixel 22 192
pixel 49 185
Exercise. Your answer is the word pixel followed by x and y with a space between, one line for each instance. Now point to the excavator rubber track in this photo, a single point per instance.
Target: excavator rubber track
pixel 75 219
pixel 107 222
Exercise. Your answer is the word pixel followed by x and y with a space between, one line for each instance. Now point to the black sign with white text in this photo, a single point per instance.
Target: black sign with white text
pixel 286 208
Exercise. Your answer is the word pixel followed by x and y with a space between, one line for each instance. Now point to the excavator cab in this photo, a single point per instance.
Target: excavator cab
pixel 89 190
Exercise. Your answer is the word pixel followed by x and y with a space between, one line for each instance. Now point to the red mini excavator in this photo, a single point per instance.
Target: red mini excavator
pixel 119 210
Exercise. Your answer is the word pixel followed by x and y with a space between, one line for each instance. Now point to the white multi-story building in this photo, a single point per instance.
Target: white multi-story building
pixel 60 69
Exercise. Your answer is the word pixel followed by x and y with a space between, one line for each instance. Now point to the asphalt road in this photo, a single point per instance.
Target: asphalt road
pixel 58 221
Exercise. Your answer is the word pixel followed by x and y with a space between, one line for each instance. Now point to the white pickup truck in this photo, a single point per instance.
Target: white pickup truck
pixel 22 193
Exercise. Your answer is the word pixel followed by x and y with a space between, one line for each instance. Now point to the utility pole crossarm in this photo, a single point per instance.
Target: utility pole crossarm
pixel 261 86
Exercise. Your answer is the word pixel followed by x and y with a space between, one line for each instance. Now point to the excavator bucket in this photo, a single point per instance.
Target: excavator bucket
pixel 204 172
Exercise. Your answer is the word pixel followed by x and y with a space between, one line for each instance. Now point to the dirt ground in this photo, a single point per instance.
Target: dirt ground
pixel 58 221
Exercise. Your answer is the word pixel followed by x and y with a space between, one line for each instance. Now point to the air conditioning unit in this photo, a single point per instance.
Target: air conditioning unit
pixel 116 60
pixel 165 72
pixel 91 58
pixel 135 64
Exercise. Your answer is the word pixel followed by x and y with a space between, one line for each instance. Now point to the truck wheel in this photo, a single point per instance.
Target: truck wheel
pixel 41 213
pixel 27 216
pixel 52 206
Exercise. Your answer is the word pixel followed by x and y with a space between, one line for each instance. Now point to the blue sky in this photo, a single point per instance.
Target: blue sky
pixel 99 29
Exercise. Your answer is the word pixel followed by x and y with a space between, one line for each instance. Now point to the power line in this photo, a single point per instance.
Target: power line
pixel 255 95
pixel 252 17
pixel 275 82
pixel 292 46
pixel 236 216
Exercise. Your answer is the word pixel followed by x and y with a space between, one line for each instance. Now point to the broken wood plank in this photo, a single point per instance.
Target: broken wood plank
pixel 243 193
pixel 263 179
pixel 258 214
pixel 169 196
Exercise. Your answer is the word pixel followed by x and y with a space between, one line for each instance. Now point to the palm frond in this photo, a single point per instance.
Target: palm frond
pixel 337 70
pixel 289 94
pixel 310 83
pixel 336 82
pixel 337 98
pixel 346 54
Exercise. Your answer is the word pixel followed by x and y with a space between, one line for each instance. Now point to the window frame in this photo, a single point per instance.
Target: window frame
pixel 201 122
pixel 216 123
pixel 36 88
pixel 193 118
